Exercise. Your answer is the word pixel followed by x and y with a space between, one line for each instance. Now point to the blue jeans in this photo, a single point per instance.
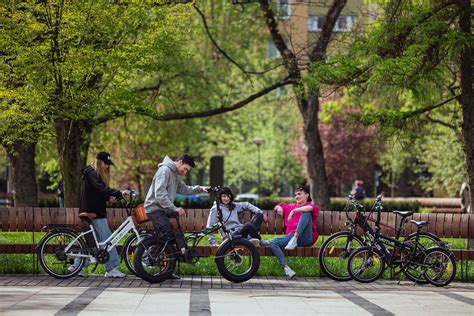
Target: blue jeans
pixel 304 228
pixel 103 232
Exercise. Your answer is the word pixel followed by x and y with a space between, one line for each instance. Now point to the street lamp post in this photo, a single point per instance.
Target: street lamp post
pixel 258 141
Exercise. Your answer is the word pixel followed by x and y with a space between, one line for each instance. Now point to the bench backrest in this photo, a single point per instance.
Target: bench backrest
pixel 28 219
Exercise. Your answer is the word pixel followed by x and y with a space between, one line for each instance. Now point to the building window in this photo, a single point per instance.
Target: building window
pixel 272 50
pixel 315 23
pixel 283 9
pixel 344 23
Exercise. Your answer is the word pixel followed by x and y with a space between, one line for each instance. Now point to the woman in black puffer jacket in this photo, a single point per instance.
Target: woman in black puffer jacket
pixel 95 194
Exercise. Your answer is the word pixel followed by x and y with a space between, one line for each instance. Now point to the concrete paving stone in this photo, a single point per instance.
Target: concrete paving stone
pixel 13 295
pixel 170 302
pixel 465 294
pixel 44 301
pixel 417 303
pixel 124 301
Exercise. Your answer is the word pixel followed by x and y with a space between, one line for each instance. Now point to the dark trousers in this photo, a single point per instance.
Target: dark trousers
pixel 251 228
pixel 162 223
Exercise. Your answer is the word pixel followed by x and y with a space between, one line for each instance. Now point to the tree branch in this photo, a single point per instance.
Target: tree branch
pixel 429 118
pixel 222 51
pixel 326 33
pixel 426 109
pixel 289 58
pixel 183 116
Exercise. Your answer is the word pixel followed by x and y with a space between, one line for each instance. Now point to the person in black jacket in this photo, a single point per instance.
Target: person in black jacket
pixel 95 194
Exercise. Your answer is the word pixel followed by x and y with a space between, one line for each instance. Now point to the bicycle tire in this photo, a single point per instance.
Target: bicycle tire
pixel 359 264
pixel 332 265
pixel 440 265
pixel 51 254
pixel 414 270
pixel 129 248
pixel 154 262
pixel 240 254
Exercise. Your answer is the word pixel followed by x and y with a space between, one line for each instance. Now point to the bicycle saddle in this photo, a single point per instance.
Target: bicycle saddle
pixel 403 213
pixel 420 224
pixel 85 215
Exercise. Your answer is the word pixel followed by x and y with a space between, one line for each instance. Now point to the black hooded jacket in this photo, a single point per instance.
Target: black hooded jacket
pixel 95 193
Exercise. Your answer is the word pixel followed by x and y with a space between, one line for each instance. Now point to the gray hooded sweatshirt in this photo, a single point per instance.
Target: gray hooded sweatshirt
pixel 166 183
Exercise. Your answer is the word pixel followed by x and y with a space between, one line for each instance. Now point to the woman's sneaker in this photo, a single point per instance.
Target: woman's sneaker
pixel 264 243
pixel 255 242
pixel 292 244
pixel 115 273
pixel 289 272
pixel 81 273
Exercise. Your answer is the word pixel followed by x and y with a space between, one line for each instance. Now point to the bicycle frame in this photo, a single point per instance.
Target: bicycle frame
pixel 181 241
pixel 127 226
pixel 124 228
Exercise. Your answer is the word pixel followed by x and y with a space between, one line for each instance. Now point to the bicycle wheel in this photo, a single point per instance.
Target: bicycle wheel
pixel 427 240
pixel 366 265
pixel 154 262
pixel 129 248
pixel 413 263
pixel 237 260
pixel 335 252
pixel 54 260
pixel 440 266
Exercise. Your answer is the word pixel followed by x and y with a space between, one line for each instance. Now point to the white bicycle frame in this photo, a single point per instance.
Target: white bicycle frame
pixel 109 243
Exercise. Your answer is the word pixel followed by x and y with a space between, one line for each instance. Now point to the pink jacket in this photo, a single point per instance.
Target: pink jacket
pixel 290 227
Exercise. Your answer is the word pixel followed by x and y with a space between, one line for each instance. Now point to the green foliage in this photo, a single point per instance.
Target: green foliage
pixel 443 157
pixel 232 135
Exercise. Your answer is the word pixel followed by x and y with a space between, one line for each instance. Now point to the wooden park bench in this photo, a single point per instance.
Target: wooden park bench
pixel 32 219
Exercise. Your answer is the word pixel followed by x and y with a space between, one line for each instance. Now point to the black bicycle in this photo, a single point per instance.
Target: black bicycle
pixel 237 259
pixel 421 264
pixel 335 251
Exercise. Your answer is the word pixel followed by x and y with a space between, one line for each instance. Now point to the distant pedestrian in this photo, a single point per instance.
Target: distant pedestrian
pixel 60 193
pixel 465 195
pixel 358 190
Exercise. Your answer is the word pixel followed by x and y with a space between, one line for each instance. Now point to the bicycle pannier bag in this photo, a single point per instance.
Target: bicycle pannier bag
pixel 139 214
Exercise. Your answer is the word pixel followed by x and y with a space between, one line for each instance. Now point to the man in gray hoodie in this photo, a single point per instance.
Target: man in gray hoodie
pixel 166 183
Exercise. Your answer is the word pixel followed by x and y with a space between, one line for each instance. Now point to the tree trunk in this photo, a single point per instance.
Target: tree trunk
pixel 403 183
pixel 467 95
pixel 72 144
pixel 22 159
pixel 315 154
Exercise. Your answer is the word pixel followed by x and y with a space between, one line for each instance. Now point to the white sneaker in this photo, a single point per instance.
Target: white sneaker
pixel 264 243
pixel 292 244
pixel 255 242
pixel 115 273
pixel 289 272
pixel 81 273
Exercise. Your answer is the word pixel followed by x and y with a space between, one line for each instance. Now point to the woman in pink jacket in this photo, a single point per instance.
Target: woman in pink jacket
pixel 300 226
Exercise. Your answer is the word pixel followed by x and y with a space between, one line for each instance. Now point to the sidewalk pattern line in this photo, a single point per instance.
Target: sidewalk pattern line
pixel 364 303
pixel 458 297
pixel 199 304
pixel 80 302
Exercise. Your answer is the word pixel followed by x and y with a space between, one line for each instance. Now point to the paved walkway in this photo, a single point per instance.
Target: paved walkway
pixel 44 295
